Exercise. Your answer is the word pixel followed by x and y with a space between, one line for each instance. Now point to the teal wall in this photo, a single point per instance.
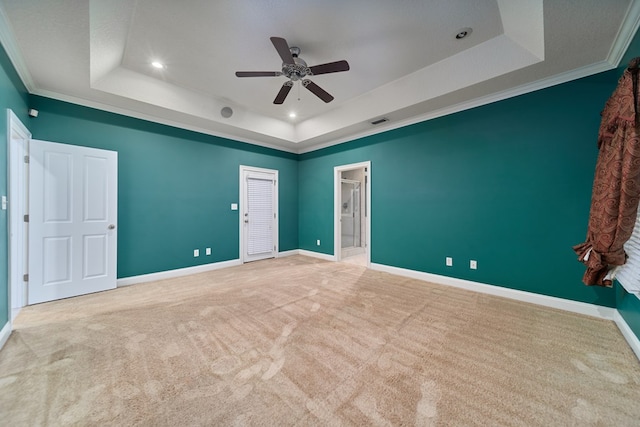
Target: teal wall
pixel 13 95
pixel 175 187
pixel 507 184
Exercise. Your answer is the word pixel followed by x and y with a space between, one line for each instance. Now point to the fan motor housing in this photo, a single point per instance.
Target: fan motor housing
pixel 299 69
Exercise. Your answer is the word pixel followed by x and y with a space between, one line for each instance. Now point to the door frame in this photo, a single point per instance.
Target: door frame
pixel 241 209
pixel 337 202
pixel 18 137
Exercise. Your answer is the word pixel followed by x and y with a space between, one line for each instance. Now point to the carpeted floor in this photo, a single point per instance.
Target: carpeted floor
pixel 299 341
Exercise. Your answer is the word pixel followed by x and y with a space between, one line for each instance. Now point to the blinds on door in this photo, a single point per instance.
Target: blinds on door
pixel 260 210
pixel 629 274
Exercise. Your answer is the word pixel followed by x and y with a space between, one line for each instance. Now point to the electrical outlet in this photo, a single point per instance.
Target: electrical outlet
pixel 318 242
pixel 196 253
pixel 208 251
pixel 473 264
pixel 449 261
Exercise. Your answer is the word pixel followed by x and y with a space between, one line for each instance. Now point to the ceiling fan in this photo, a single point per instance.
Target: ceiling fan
pixel 295 68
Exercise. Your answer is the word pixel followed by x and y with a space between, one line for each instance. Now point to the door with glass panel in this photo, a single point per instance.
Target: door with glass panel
pixel 259 213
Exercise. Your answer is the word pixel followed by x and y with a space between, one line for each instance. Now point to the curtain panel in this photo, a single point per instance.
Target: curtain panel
pixel 616 186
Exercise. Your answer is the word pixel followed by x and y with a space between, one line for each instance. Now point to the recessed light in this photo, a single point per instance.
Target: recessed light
pixel 157 64
pixel 463 32
pixel 292 115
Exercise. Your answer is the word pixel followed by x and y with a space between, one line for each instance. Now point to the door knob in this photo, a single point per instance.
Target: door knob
pixel 111 226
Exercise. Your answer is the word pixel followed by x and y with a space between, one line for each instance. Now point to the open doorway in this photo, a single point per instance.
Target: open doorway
pixel 352 224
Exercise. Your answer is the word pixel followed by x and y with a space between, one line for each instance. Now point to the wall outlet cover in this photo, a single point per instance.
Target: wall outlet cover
pixel 449 261
pixel 318 242
pixel 208 251
pixel 196 253
pixel 473 264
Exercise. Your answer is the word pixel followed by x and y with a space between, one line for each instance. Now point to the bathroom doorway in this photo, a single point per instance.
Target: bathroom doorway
pixel 352 221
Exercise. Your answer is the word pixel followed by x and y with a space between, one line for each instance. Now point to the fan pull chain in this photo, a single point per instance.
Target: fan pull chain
pixel 299 90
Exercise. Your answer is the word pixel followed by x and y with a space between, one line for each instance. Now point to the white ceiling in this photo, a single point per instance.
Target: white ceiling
pixel 406 64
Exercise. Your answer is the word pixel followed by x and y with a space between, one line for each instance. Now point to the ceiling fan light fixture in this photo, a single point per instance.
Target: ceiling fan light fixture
pixel 463 32
pixel 296 69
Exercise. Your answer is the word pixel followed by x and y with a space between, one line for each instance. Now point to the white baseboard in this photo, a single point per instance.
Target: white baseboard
pixel 288 253
pixel 598 311
pixel 126 281
pixel 544 300
pixel 628 334
pixel 4 334
pixel 317 255
pixel 14 313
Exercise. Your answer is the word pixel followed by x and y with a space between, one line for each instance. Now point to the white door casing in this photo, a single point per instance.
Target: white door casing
pixel 258 213
pixel 337 209
pixel 72 220
pixel 18 146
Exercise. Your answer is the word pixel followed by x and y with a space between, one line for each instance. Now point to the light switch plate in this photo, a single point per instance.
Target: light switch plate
pixel 208 251
pixel 449 261
pixel 4 203
pixel 234 206
pixel 473 264
pixel 196 253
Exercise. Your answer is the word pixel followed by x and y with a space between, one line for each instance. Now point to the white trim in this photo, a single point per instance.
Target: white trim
pixel 318 255
pixel 337 234
pixel 13 52
pixel 601 312
pixel 170 274
pixel 4 334
pixel 619 47
pixel 288 253
pixel 128 112
pixel 627 333
pixel 491 98
pixel 626 33
pixel 18 137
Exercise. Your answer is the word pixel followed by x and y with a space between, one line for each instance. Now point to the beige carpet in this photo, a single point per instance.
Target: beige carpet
pixel 299 341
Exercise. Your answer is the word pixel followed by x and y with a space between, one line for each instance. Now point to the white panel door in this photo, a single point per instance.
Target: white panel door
pixel 72 220
pixel 259 221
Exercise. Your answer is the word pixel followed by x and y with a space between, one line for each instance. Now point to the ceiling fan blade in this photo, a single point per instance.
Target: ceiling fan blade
pixel 282 47
pixel 284 91
pixel 317 90
pixel 331 67
pixel 258 73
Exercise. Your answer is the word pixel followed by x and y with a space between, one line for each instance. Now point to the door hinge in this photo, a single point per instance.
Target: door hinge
pixel 274 216
pixel 25 277
pixel 26 218
pixel 26 159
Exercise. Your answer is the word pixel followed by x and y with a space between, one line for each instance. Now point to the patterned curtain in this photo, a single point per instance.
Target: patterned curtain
pixel 616 186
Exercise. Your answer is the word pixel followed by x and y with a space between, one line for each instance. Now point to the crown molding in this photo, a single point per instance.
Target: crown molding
pixel 11 47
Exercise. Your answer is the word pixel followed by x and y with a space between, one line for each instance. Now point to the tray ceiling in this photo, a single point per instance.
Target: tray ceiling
pixel 406 64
